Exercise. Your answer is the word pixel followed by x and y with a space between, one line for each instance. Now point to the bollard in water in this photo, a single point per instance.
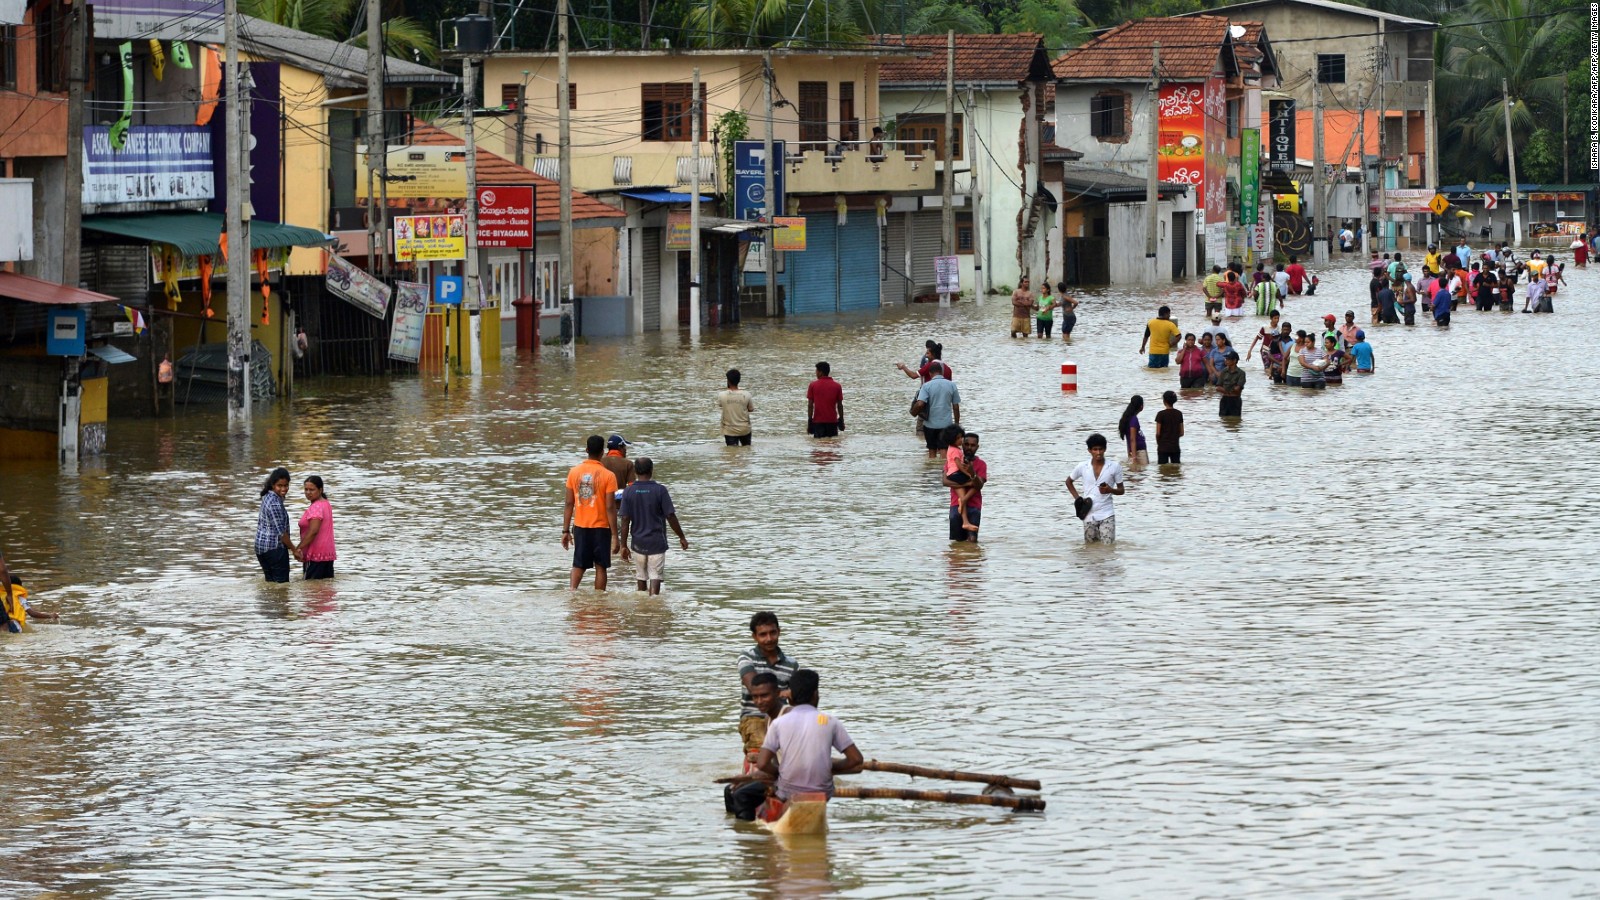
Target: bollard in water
pixel 1069 376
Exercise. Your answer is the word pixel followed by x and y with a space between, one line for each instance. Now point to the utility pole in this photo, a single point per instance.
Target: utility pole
pixel 694 207
pixel 72 240
pixel 236 126
pixel 1319 170
pixel 1511 160
pixel 522 118
pixel 377 140
pixel 564 105
pixel 1380 66
pixel 1152 177
pixel 768 259
pixel 1361 159
pixel 469 94
pixel 1566 159
pixel 947 221
pixel 980 227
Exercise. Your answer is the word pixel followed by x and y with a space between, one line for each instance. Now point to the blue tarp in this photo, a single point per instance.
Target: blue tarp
pixel 665 196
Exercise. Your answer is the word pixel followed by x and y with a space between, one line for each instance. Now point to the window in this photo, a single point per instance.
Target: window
pixel 1108 115
pixel 8 57
pixel 1233 118
pixel 508 96
pixel 572 99
pixel 1330 68
pixel 849 126
pixel 664 110
pixel 813 115
pixel 964 234
pixel 50 45
pixel 923 135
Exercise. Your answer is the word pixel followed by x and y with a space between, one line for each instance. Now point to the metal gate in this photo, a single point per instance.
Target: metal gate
pixel 652 279
pixel 893 286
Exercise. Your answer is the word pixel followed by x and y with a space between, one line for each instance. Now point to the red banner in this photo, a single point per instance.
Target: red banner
pixel 506 216
pixel 1181 141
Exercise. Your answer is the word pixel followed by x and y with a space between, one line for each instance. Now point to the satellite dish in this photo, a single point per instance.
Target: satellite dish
pixel 1236 30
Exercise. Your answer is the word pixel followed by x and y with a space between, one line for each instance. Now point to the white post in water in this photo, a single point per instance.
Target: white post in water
pixel 1511 161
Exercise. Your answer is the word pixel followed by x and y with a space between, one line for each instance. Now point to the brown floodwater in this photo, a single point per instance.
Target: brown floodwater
pixel 1348 649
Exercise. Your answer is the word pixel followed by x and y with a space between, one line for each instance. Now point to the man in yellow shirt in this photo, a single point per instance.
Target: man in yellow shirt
pixel 1161 333
pixel 1431 261
pixel 589 516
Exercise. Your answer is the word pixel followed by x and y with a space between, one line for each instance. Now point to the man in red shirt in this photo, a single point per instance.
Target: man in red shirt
pixel 824 405
pixel 1297 276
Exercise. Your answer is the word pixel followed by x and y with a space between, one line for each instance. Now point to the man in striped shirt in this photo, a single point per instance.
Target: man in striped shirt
pixel 765 656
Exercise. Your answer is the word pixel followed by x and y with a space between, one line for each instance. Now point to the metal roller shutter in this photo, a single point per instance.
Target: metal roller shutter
pixel 893 283
pixel 858 261
pixel 652 279
pixel 812 275
pixel 925 245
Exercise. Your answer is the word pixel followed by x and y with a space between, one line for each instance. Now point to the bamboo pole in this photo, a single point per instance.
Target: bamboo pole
pixel 873 765
pixel 854 793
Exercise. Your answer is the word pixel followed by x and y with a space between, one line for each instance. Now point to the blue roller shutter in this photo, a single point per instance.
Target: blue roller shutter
pixel 812 275
pixel 858 261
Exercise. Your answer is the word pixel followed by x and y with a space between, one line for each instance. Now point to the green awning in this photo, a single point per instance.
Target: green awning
pixel 198 233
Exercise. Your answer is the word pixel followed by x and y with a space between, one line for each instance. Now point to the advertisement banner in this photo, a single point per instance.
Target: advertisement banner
pixel 1216 160
pixel 789 233
pixel 410 312
pixel 354 284
pixel 263 176
pixel 678 231
pixel 1249 176
pixel 947 274
pixel 1281 150
pixel 1181 139
pixel 750 182
pixel 419 172
pixel 506 216
pixel 188 267
pixel 1404 201
pixel 426 238
pixel 156 162
pixel 166 20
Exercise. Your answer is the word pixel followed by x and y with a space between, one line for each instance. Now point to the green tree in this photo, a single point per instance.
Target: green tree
pixel 404 37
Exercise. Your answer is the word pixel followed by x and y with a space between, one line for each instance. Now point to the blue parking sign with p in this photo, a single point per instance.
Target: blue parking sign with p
pixel 449 289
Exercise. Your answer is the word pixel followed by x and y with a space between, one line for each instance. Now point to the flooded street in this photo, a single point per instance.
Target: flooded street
pixel 1349 649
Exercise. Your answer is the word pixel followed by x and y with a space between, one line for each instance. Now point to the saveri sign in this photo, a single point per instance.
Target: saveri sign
pixel 750 180
pixel 507 216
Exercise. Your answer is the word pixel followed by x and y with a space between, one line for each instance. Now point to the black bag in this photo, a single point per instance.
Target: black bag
pixel 1081 506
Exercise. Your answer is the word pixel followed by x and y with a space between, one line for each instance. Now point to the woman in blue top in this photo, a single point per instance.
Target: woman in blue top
pixel 273 545
pixel 1129 428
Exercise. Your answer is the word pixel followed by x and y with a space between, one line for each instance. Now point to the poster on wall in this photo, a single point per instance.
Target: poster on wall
pixel 427 238
pixel 678 234
pixel 1216 156
pixel 351 282
pixel 410 312
pixel 1181 139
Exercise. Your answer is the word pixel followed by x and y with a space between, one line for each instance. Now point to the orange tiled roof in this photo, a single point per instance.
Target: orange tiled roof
pixel 979 57
pixel 494 169
pixel 1190 48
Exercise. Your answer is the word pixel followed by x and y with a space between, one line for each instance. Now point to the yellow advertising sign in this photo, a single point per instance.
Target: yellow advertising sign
pixel 425 238
pixel 420 172
pixel 789 233
pixel 678 237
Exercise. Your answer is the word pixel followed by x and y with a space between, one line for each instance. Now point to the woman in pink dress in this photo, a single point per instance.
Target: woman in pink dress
pixel 316 532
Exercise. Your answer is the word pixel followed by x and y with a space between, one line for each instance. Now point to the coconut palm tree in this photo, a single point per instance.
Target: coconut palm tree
pixel 404 37
pixel 1495 41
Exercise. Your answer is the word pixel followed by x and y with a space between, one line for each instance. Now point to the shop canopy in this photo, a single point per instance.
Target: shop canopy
pixel 657 196
pixel 35 290
pixel 199 233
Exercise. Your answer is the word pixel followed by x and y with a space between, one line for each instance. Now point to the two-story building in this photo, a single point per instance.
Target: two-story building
pixel 1207 75
pixel 631 132
pixel 1375 73
pixel 999 84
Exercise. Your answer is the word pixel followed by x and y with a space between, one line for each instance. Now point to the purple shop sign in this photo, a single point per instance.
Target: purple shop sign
pixel 266 162
pixel 166 20
pixel 158 163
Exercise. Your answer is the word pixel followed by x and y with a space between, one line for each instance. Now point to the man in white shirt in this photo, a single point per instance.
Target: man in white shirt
pixel 1101 479
pixel 736 407
pixel 799 745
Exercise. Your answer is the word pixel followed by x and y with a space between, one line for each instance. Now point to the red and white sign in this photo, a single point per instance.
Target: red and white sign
pixel 506 216
pixel 1490 201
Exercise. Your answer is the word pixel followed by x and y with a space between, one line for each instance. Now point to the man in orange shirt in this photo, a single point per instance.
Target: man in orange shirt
pixel 589 516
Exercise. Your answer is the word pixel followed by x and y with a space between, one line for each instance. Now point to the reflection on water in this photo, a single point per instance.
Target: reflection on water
pixel 1347 647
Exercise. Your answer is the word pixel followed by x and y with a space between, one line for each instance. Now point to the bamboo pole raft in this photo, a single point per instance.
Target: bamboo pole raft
pixel 1026 784
pixel 1034 804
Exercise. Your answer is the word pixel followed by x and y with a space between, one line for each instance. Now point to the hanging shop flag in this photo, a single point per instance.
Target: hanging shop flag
pixel 158 60
pixel 180 55
pixel 1249 176
pixel 119 131
pixel 410 312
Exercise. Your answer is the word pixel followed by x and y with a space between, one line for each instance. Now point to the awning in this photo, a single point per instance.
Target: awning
pixel 112 355
pixel 34 290
pixel 198 233
pixel 721 225
pixel 665 196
